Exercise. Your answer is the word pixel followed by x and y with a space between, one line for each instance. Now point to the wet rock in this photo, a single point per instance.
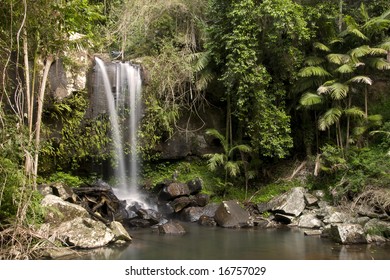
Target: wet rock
pixel 348 233
pixel 285 219
pixel 174 228
pixel 309 221
pixel 312 232
pixel 180 203
pixel 150 215
pixel 290 203
pixel 192 214
pixel 84 233
pixel 138 223
pixel 174 190
pixel 230 214
pixel 207 221
pixel 201 199
pixel 119 232
pixel 262 222
pixel 58 210
pixel 195 185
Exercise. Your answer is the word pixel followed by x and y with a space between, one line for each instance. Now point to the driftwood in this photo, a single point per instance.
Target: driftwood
pixel 101 202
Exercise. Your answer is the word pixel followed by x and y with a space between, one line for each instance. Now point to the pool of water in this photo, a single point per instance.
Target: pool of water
pixel 215 243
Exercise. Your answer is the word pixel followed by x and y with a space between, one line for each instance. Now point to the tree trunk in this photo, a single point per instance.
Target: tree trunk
pixel 38 123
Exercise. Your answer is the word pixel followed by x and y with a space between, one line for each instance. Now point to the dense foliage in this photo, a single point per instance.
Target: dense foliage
pixel 295 79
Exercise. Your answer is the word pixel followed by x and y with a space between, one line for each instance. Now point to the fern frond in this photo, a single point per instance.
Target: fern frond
pixel 346 69
pixel 360 79
pixel 314 61
pixel 320 46
pixel 379 63
pixel 338 59
pixel 354 112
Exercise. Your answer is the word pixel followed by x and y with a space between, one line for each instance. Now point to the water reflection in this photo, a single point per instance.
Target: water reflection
pixel 214 243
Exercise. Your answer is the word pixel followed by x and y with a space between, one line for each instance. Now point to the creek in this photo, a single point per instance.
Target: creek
pixel 216 243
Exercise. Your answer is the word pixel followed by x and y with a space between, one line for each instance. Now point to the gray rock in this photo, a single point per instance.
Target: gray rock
pixel 309 221
pixel 291 203
pixel 58 210
pixel 338 217
pixel 230 214
pixel 174 228
pixel 120 233
pixel 348 233
pixel 207 221
pixel 310 199
pixel 377 227
pixel 84 233
pixel 312 232
pixel 192 214
pixel 201 199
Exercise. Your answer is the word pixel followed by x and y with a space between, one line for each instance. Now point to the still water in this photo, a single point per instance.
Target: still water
pixel 215 243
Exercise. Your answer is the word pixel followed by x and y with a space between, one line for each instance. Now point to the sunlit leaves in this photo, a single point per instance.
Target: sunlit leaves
pixel 310 99
pixel 329 118
pixel 313 71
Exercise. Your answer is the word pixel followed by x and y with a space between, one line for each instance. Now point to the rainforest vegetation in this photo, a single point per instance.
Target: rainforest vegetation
pixel 304 86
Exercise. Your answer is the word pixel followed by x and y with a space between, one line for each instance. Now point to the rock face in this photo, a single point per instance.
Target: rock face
pixel 230 214
pixel 84 233
pixel 348 233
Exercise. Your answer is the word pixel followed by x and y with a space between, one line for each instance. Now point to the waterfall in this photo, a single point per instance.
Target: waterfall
pixel 123 102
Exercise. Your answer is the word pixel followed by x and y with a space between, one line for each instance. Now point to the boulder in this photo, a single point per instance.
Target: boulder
pixel 290 203
pixel 58 189
pixel 174 190
pixel 207 221
pixel 309 221
pixel 201 199
pixel 84 233
pixel 192 214
pixel 310 199
pixel 180 203
pixel 348 233
pixel 377 227
pixel 174 228
pixel 230 214
pixel 338 217
pixel 58 210
pixel 120 232
pixel 195 185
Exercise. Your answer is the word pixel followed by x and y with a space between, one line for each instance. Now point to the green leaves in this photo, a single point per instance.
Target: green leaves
pixel 313 71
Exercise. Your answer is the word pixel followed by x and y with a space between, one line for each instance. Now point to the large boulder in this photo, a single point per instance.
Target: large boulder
pixel 174 190
pixel 348 233
pixel 173 228
pixel 84 233
pixel 309 221
pixel 230 214
pixel 58 210
pixel 290 203
pixel 120 233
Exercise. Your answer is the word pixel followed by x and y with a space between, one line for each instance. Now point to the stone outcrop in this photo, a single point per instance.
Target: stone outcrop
pixel 290 203
pixel 348 233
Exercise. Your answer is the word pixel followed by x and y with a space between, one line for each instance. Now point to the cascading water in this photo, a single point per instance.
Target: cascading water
pixel 125 96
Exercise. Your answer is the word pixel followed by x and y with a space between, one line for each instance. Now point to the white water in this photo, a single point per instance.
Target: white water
pixel 125 98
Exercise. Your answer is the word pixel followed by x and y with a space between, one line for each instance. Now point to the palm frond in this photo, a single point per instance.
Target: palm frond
pixel 339 91
pixel 313 71
pixel 354 112
pixel 320 46
pixel 313 61
pixel 346 69
pixel 310 99
pixel 360 79
pixel 385 45
pixel 329 118
pixel 338 58
pixel 242 148
pixel 379 63
pixel 360 51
